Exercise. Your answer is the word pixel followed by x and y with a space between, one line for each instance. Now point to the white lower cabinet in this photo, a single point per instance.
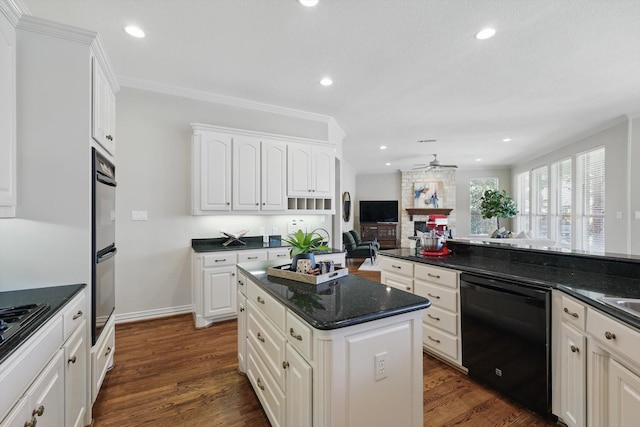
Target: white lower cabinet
pixel 219 292
pixel 624 396
pixel 309 377
pixel 102 354
pixel 44 381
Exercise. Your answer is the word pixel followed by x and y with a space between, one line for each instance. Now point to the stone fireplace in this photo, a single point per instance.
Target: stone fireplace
pixel 447 199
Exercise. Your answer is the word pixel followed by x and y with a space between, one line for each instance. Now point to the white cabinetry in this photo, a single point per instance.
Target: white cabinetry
pixel 441 321
pixel 613 373
pixel 305 376
pixel 211 166
pixel 259 174
pixel 569 360
pixel 7 116
pixel 103 111
pixel 102 357
pixel 45 379
pixel 310 170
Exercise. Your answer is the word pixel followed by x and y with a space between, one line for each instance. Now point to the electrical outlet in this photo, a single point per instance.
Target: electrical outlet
pixel 618 215
pixel 380 366
pixel 139 216
pixel 637 214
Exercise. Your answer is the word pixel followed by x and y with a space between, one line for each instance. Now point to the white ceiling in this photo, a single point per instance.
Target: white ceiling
pixel 404 70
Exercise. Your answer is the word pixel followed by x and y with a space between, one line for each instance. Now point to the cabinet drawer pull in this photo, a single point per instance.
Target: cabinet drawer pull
pixel 108 351
pixel 293 334
pixel 38 411
pixel 260 386
pixel 77 315
pixel 566 310
pixel 436 276
pixel 260 300
pixel 433 296
pixel 433 317
pixel 241 309
pixel 433 339
pixel 252 257
pixel 285 364
pixel 260 337
pixel 610 335
pixel 31 423
pixel 240 282
pixel 396 266
pixel 281 255
pixel 574 349
pixel 219 260
pixel 72 360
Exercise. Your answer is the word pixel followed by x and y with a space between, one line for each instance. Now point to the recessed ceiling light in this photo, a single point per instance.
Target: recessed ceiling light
pixel 383 147
pixel 308 3
pixel 478 160
pixel 387 164
pixel 506 140
pixel 485 34
pixel 326 81
pixel 134 31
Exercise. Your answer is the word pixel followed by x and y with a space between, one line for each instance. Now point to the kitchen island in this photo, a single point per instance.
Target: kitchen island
pixel 342 353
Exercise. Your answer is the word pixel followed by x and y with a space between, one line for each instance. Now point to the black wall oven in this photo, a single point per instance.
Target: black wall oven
pixel 506 330
pixel 103 243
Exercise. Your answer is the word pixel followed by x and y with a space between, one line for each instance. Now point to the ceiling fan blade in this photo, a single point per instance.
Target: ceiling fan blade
pixel 448 166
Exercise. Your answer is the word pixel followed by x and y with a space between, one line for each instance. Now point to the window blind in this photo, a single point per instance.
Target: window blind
pixel 522 202
pixel 540 202
pixel 560 202
pixel 590 200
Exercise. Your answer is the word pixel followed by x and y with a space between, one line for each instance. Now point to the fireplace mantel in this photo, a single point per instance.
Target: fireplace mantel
pixel 427 211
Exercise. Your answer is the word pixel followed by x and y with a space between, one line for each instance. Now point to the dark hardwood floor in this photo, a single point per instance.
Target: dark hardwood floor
pixel 167 373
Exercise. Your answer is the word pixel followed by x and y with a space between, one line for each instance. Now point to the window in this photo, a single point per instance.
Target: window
pixel 522 201
pixel 540 202
pixel 477 187
pixel 590 200
pixel 560 206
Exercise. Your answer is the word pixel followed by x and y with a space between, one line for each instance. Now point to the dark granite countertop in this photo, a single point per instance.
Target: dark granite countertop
pixel 584 277
pixel 251 242
pixel 347 301
pixel 56 297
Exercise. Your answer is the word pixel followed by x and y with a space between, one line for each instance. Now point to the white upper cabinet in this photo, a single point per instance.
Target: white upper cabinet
pixel 310 170
pixel 7 117
pixel 246 173
pixel 212 172
pixel 274 175
pixel 103 112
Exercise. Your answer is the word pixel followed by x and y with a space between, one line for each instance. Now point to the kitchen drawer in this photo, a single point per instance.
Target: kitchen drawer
pixel 443 277
pixel 439 341
pixel 268 342
pixel 573 312
pixel 441 319
pixel 278 254
pixel 252 256
pixel 73 315
pixel 397 266
pixel 268 305
pixel 613 335
pixel 219 259
pixel 270 395
pixel 101 359
pixel 400 282
pixel 440 297
pixel 299 334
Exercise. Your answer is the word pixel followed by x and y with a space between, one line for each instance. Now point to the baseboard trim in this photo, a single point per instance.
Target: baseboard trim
pixel 152 314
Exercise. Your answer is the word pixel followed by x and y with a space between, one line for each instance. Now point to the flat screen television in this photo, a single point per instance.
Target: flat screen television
pixel 378 211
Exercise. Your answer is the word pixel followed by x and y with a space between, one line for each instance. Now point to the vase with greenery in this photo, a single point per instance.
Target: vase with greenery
pixel 497 204
pixel 303 244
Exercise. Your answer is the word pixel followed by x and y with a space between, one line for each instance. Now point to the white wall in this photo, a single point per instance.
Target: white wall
pixel 154 174
pixel 619 159
pixel 633 192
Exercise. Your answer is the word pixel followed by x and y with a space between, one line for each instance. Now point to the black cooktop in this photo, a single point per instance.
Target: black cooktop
pixel 15 318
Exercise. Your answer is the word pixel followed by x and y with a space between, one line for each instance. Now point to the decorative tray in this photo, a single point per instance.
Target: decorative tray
pixel 283 271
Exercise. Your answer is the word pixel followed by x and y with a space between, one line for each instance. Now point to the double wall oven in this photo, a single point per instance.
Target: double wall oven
pixel 103 243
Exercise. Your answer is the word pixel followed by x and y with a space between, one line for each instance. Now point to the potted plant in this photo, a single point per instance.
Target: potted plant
pixel 497 204
pixel 303 244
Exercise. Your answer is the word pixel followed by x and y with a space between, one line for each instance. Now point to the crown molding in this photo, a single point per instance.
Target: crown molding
pixel 203 127
pixel 13 10
pixel 50 28
pixel 151 86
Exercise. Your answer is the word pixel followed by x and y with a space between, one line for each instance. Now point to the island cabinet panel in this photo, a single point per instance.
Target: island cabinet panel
pixel 368 373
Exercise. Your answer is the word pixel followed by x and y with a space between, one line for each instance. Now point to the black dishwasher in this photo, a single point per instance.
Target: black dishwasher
pixel 506 338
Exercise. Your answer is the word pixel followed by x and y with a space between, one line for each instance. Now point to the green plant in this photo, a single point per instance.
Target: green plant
pixel 304 243
pixel 497 204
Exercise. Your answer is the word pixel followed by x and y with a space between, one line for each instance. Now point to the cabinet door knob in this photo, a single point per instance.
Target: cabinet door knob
pixel 109 137
pixel 241 309
pixel 575 349
pixel 285 364
pixel 610 335
pixel 77 315
pixel 38 411
pixel 257 204
pixel 31 423
pixel 260 386
pixel 293 334
pixel 72 360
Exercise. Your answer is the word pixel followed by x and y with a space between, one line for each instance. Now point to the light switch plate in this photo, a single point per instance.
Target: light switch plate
pixel 618 215
pixel 139 216
pixel 637 215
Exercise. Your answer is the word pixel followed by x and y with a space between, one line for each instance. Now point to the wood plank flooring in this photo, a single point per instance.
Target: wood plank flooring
pixel 167 373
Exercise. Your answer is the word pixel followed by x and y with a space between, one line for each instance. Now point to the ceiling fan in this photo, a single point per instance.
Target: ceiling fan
pixel 434 164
